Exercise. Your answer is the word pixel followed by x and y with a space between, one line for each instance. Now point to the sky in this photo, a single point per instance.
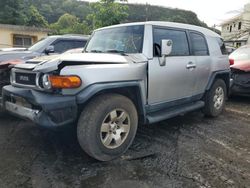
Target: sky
pixel 210 11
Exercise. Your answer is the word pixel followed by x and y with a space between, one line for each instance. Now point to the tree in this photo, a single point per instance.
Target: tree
pixel 12 12
pixel 107 12
pixel 34 18
pixel 68 23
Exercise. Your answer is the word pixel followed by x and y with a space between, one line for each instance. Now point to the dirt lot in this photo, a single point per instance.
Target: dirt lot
pixel 187 151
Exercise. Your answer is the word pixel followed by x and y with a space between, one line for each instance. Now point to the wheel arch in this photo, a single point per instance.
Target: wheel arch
pixel 132 90
pixel 224 75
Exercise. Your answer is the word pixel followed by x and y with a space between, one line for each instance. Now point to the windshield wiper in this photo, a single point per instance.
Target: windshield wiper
pixel 94 51
pixel 116 51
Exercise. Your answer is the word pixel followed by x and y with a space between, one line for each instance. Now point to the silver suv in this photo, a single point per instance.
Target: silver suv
pixel 128 74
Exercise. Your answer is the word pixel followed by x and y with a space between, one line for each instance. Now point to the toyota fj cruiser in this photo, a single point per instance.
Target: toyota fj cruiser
pixel 128 74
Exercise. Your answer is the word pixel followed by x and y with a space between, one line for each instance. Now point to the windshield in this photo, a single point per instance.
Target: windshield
pixel 126 39
pixel 40 45
pixel 241 54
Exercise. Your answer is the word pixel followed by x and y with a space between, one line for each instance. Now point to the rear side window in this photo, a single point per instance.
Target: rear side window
pixel 199 45
pixel 222 46
pixel 179 38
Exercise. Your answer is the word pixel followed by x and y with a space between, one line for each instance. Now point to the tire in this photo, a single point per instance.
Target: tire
pixel 215 99
pixel 107 126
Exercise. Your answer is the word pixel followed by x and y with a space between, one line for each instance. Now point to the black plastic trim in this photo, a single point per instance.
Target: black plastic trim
pixel 94 89
pixel 174 111
pixel 60 111
pixel 218 73
pixel 163 106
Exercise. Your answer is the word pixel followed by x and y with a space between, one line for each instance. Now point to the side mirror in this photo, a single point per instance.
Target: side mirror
pixel 166 49
pixel 50 49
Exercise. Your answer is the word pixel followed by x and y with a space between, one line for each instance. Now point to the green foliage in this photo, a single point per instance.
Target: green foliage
pixel 107 12
pixel 77 16
pixel 11 12
pixel 68 23
pixel 138 12
pixel 52 10
pixel 34 18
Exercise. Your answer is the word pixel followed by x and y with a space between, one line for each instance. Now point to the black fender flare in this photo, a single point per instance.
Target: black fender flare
pixel 225 75
pixel 91 91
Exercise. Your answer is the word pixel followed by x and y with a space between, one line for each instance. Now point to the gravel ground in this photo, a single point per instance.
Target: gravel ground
pixel 186 151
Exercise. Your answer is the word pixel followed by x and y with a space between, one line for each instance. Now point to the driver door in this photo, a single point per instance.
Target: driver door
pixel 174 81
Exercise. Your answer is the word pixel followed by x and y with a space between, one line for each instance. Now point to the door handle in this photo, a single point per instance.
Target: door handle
pixel 191 65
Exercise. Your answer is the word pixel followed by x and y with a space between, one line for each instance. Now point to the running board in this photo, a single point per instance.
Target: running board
pixel 172 112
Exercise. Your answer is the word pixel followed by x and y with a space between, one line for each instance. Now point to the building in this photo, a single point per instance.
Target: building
pixel 235 31
pixel 20 36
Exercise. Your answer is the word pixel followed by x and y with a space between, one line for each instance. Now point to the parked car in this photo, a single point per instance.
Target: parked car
pixel 128 74
pixel 51 45
pixel 240 68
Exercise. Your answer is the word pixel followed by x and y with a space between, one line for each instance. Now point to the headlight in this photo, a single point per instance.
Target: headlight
pixel 46 82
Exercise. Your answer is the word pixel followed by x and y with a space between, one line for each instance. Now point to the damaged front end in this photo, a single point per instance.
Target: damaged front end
pixel 5 68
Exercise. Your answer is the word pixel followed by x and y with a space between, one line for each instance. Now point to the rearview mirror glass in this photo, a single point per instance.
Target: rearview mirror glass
pixel 166 47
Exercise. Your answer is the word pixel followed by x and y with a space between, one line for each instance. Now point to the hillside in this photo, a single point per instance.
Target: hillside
pixel 52 10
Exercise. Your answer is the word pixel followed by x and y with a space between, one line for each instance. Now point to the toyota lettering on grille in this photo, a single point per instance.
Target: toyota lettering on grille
pixel 24 78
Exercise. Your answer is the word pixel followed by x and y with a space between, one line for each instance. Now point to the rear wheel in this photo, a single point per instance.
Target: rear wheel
pixel 215 99
pixel 107 126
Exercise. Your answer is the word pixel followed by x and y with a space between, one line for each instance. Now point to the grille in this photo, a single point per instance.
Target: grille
pixel 25 78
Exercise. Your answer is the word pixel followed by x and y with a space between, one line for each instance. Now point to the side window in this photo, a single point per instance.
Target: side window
pixel 199 44
pixel 64 45
pixel 179 38
pixel 222 46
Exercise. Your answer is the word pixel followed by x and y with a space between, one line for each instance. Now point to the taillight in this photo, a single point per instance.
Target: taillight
pixel 65 82
pixel 231 61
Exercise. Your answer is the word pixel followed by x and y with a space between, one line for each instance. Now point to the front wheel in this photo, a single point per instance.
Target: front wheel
pixel 107 126
pixel 215 99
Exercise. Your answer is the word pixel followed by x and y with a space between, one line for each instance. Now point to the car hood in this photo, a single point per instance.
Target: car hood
pixel 41 59
pixel 243 65
pixel 5 56
pixel 82 59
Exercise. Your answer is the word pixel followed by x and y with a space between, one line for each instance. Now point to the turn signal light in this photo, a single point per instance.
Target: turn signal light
pixel 231 61
pixel 65 82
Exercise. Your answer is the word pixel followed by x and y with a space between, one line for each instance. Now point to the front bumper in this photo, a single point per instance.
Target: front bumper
pixel 44 109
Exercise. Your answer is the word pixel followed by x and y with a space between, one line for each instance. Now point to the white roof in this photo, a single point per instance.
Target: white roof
pixel 203 30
